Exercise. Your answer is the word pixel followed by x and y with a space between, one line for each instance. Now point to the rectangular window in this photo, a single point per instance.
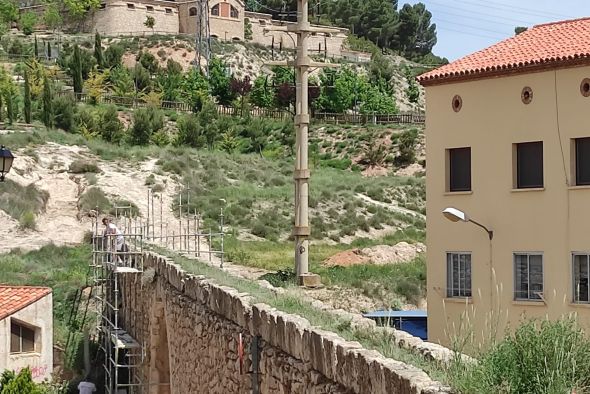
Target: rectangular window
pixel 22 339
pixel 581 270
pixel 168 10
pixel 528 276
pixel 130 6
pixel 582 161
pixel 458 275
pixel 529 165
pixel 149 8
pixel 459 169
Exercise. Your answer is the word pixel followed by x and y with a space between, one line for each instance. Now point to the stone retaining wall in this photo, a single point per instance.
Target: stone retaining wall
pixel 191 329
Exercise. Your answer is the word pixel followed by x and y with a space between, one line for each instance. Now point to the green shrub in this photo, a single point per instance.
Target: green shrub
pixel 541 357
pixel 190 132
pixel 28 20
pixel 16 200
pixel 83 166
pixel 110 127
pixel 27 221
pixel 94 198
pixel 407 142
pixel 64 111
pixel 146 121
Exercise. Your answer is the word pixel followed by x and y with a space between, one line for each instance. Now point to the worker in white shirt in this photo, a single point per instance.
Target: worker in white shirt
pixel 111 231
pixel 86 387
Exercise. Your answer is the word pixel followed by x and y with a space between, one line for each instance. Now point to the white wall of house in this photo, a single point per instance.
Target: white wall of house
pixel 39 316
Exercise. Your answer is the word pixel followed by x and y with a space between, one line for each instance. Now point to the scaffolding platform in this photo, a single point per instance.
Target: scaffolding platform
pixel 122 340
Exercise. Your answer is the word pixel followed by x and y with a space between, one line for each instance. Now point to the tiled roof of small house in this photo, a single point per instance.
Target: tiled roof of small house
pixel 15 298
pixel 543 46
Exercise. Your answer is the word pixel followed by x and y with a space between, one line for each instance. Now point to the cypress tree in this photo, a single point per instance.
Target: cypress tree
pixel 27 99
pixel 76 68
pixel 9 106
pixel 36 47
pixel 47 110
pixel 98 50
pixel 48 50
pixel 1 109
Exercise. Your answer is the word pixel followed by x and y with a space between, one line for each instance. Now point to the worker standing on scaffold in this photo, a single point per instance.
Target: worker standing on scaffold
pixel 111 230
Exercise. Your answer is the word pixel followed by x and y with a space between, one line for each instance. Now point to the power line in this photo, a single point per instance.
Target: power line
pixel 470 33
pixel 470 13
pixel 478 28
pixel 510 8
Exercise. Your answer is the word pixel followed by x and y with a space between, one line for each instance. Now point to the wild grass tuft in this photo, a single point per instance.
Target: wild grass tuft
pixel 22 201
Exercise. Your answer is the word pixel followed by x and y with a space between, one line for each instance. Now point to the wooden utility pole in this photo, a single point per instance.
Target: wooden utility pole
pixel 303 64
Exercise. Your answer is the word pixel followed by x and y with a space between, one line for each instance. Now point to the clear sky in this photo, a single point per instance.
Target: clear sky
pixel 466 26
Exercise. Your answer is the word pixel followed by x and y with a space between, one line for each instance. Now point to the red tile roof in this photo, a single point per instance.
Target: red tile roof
pixel 15 298
pixel 544 46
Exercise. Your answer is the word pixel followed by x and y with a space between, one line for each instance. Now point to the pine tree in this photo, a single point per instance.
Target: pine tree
pixel 27 99
pixel 76 67
pixel 36 47
pixel 98 50
pixel 47 98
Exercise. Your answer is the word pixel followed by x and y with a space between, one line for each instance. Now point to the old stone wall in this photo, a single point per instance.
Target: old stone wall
pixel 128 17
pixel 192 329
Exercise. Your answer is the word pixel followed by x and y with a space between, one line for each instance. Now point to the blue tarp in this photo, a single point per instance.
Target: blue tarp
pixel 413 322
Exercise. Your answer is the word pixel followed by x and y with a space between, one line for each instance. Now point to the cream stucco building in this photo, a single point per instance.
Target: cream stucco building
pixel 508 143
pixel 26 330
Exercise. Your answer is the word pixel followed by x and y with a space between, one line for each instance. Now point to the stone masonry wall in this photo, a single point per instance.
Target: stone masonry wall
pixel 191 328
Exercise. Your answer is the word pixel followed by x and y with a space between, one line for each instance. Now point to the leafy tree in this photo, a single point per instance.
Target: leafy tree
pixel 412 92
pixel 208 119
pixel 113 55
pixel 28 21
pixel 149 62
pixel 229 141
pixel 47 103
pixel 27 98
pixel 141 79
pixel 96 85
pixel 52 17
pixel 381 72
pixel 87 122
pixel 80 8
pixel 121 82
pixel 220 82
pixel 195 89
pixel 261 95
pixel 64 113
pixel 98 50
pixel 340 90
pixel 257 131
pixel 190 132
pixel 287 136
pixel 76 69
pixel 407 148
pixel 111 128
pixel 375 101
pixel 21 383
pixel 285 95
pixel 8 11
pixel 417 34
pixel 150 22
pixel 146 122
pixel 241 88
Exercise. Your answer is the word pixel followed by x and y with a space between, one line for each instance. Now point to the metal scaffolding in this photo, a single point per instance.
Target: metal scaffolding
pixel 112 255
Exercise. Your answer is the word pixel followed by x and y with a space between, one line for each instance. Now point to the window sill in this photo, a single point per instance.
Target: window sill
pixel 580 305
pixel 530 189
pixel 25 354
pixel 467 193
pixel 528 303
pixel 458 300
pixel 580 187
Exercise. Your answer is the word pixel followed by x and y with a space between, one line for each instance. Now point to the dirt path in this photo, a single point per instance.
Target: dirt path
pixel 392 207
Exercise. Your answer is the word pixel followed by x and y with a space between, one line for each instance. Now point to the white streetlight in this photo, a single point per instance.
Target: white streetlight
pixel 456 215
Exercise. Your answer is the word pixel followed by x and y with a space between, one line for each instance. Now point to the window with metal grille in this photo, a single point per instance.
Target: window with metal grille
pixel 581 268
pixel 529 165
pixel 528 276
pixel 459 170
pixel 22 339
pixel 582 161
pixel 458 275
pixel 234 13
pixel 215 10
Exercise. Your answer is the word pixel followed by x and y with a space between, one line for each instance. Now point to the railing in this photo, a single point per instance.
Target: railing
pixel 319 117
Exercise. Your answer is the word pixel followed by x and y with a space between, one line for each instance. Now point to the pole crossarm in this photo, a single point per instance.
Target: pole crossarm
pixel 307 29
pixel 311 64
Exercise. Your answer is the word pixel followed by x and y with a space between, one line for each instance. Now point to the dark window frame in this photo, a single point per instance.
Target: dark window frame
pixel 233 12
pixel 525 180
pixel 580 287
pixel 22 330
pixel 520 294
pixel 586 160
pixel 215 10
pixel 459 285
pixel 192 11
pixel 130 6
pixel 169 11
pixel 454 183
pixel 149 8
